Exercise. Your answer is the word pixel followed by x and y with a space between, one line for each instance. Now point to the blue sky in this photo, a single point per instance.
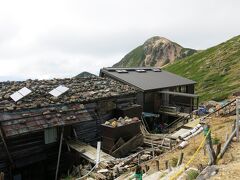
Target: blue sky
pixel 57 39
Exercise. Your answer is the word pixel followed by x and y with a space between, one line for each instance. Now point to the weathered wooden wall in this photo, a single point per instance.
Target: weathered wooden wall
pixel 34 159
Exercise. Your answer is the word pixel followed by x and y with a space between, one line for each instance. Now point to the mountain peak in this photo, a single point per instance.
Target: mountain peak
pixel 156 51
pixel 157 39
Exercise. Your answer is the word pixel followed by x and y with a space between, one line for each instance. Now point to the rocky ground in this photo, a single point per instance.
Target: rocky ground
pixel 228 165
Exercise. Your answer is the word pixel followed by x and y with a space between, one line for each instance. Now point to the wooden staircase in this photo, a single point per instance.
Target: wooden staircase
pixel 179 122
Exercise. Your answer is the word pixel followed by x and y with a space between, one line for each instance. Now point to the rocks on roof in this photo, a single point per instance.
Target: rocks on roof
pixel 80 90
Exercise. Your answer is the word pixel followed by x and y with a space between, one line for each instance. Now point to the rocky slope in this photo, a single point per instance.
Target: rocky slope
pixel 156 51
pixel 216 70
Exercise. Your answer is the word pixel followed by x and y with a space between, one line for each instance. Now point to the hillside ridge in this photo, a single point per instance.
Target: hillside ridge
pixel 216 70
pixel 156 51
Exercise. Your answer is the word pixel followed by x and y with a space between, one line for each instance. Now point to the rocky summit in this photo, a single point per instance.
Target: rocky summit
pixel 156 51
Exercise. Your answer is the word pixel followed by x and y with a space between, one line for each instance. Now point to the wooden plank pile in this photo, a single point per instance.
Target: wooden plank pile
pixel 109 167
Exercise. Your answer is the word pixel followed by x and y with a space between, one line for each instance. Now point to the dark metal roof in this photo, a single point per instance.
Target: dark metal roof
pixel 148 80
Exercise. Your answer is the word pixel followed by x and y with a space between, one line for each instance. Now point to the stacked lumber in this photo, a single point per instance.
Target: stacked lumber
pixel 109 167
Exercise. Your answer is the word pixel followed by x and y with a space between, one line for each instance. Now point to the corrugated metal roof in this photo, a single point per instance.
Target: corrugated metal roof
pixel 148 80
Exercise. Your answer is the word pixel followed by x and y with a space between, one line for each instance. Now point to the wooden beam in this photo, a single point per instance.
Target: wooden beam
pixel 128 146
pixel 209 146
pixel 180 159
pixel 218 150
pixel 226 144
pixel 1 176
pixel 6 148
pixel 59 153
pixel 237 118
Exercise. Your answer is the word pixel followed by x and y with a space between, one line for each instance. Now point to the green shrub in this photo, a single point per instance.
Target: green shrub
pixel 192 174
pixel 215 140
pixel 174 162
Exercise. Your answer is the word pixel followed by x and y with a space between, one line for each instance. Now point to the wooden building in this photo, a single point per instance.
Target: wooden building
pixel 33 128
pixel 159 91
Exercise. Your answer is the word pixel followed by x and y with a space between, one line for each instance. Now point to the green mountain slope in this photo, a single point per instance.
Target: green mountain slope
pixel 216 70
pixel 85 74
pixel 156 51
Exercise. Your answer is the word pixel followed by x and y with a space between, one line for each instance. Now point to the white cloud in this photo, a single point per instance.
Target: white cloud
pixel 60 38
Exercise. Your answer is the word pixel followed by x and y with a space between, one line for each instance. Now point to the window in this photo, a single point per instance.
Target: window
pixel 50 135
pixel 156 70
pixel 183 89
pixel 121 71
pixel 140 70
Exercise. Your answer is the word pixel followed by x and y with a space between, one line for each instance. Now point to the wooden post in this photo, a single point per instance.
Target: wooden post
pixel 226 144
pixel 234 125
pixel 59 153
pixel 218 149
pixel 226 137
pixel 152 149
pixel 75 134
pixel 166 164
pixel 98 153
pixel 208 145
pixel 169 167
pixel 1 176
pixel 146 167
pixel 237 118
pixel 6 148
pixel 139 158
pixel 157 165
pixel 180 159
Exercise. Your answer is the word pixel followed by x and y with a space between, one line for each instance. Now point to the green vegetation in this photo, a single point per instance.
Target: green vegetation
pixel 85 74
pixel 192 174
pixel 174 161
pixel 216 70
pixel 215 140
pixel 133 59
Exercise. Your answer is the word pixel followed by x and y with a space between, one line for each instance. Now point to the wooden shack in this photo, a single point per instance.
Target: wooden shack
pixel 159 91
pixel 157 87
pixel 34 129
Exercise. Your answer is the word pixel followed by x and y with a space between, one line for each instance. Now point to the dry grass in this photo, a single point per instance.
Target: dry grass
pixel 220 127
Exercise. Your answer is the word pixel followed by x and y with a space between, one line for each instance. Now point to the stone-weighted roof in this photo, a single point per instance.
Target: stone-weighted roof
pixel 80 90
